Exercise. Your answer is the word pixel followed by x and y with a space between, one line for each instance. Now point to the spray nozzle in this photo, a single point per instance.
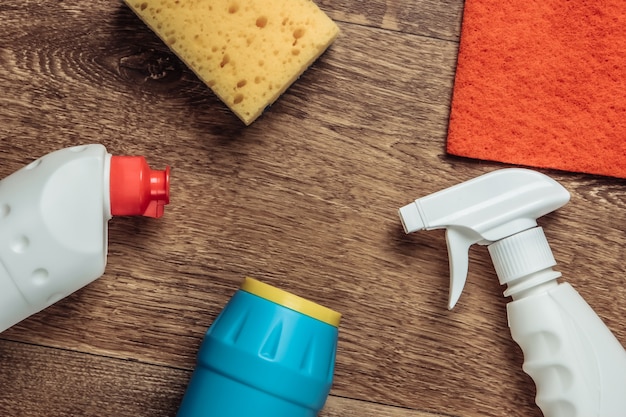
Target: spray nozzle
pixel 483 210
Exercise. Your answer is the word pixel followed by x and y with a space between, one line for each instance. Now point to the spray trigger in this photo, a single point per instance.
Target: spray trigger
pixel 459 242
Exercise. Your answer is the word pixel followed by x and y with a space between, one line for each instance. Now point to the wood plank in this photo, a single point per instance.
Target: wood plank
pixel 347 407
pixel 430 18
pixel 39 382
pixel 54 382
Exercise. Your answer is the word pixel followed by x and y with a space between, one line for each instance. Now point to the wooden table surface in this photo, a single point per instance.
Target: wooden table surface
pixel 305 199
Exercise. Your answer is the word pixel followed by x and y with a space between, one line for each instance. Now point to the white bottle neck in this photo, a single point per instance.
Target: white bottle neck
pixel 524 263
pixel 106 177
pixel 536 283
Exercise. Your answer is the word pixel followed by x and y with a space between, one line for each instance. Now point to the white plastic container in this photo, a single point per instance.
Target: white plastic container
pixel 577 364
pixel 53 222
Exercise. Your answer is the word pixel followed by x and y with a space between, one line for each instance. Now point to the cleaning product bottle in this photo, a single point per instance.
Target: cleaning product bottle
pixel 577 364
pixel 53 222
pixel 269 353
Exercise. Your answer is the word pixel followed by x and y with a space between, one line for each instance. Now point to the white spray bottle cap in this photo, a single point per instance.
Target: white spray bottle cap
pixel 483 210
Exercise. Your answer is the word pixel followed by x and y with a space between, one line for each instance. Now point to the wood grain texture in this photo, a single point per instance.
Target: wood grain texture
pixel 304 199
pixel 58 383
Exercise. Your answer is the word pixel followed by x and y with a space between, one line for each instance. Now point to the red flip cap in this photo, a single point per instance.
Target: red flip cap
pixel 137 190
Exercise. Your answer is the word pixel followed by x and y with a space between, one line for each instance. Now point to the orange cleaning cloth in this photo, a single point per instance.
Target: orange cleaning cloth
pixel 541 83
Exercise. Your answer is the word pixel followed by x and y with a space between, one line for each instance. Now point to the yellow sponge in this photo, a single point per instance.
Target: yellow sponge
pixel 247 51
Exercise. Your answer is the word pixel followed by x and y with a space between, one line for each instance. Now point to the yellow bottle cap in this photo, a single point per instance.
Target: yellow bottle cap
pixel 291 301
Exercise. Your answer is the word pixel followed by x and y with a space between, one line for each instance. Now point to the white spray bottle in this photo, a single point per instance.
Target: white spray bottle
pixel 577 364
pixel 53 222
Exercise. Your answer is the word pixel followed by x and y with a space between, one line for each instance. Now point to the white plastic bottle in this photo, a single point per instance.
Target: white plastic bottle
pixel 53 222
pixel 577 364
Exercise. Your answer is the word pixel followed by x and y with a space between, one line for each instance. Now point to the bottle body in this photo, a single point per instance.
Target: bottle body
pixel 264 356
pixel 54 216
pixel 577 364
pixel 53 229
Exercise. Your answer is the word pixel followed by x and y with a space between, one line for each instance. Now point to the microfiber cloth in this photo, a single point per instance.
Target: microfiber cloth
pixel 541 83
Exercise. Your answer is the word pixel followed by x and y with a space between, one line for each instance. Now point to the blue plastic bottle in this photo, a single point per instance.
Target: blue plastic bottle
pixel 269 354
